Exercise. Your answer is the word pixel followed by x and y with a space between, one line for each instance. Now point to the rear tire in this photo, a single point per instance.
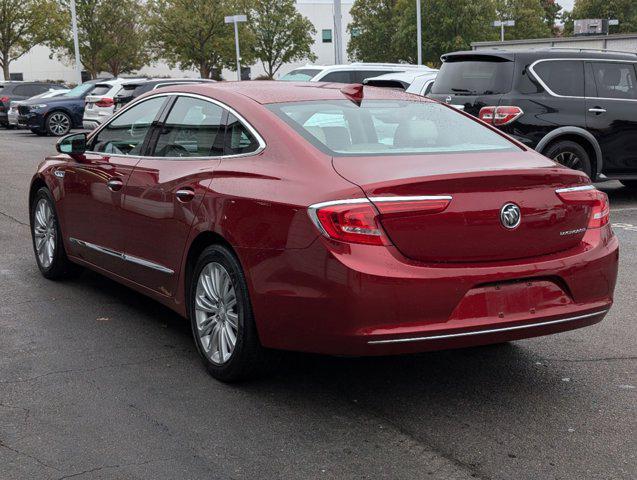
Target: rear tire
pixel 571 155
pixel 46 235
pixel 631 184
pixel 220 311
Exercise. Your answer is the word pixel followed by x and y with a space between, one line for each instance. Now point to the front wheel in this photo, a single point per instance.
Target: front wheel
pixel 47 238
pixel 58 124
pixel 571 155
pixel 221 317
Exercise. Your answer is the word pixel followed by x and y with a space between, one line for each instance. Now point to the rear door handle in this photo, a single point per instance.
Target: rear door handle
pixel 185 194
pixel 114 184
pixel 597 110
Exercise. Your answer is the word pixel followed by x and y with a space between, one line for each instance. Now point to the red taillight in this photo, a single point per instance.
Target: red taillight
pixel 4 99
pixel 357 220
pixel 588 195
pixel 500 115
pixel 353 221
pixel 105 102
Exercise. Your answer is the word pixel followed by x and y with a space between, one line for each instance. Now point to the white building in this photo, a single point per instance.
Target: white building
pixel 41 64
pixel 622 42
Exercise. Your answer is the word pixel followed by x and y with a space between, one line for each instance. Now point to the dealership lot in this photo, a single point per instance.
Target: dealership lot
pixel 97 381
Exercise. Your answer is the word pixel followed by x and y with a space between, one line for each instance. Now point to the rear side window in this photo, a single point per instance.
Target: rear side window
pixel 194 128
pixel 615 80
pixel 563 77
pixel 359 75
pixel 474 77
pixel 101 89
pixel 337 77
pixel 384 127
pixel 29 90
pixel 238 138
pixel 300 75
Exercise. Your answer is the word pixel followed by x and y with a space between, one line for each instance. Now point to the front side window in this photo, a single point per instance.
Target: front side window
pixel 238 138
pixel 563 77
pixel 615 80
pixel 388 127
pixel 194 128
pixel 300 75
pixel 342 76
pixel 125 134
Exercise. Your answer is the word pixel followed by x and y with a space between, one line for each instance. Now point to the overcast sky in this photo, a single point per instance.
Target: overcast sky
pixel 566 4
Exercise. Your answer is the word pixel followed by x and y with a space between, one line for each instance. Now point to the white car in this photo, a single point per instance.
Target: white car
pixel 100 104
pixel 352 73
pixel 12 114
pixel 418 82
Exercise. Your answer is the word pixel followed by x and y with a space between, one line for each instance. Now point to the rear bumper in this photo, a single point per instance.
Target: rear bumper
pixel 365 300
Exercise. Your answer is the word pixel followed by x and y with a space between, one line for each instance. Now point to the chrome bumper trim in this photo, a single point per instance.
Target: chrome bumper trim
pixel 492 330
pixel 122 256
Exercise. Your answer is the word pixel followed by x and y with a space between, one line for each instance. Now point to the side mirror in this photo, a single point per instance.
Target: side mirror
pixel 72 144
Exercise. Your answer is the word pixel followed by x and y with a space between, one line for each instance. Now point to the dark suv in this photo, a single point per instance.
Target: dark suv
pixel 578 107
pixel 11 91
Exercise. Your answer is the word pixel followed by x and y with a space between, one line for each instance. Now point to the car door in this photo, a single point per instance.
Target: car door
pixel 611 114
pixel 92 187
pixel 167 187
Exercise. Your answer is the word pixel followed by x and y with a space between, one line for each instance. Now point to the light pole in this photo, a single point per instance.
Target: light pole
pixel 76 44
pixel 502 24
pixel 338 34
pixel 419 31
pixel 236 19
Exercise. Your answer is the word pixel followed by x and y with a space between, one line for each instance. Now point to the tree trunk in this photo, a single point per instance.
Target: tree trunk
pixel 204 70
pixel 5 67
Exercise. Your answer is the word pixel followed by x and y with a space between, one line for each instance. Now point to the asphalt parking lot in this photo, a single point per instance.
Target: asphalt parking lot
pixel 99 382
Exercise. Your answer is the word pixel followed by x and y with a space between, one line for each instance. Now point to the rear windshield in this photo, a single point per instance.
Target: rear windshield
pixel 388 127
pixel 474 77
pixel 300 75
pixel 101 89
pixel 80 90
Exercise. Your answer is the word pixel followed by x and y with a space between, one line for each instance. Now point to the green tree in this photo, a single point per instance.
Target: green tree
pixel 193 34
pixel 111 35
pixel 371 28
pixel 23 25
pixel 551 14
pixel 447 26
pixel 529 17
pixel 623 10
pixel 280 34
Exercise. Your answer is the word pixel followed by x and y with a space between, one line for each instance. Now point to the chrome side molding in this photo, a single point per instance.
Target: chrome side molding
pixel 122 256
pixel 492 330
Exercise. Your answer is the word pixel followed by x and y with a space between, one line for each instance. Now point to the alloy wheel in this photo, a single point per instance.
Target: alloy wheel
pixel 570 160
pixel 44 231
pixel 216 313
pixel 59 124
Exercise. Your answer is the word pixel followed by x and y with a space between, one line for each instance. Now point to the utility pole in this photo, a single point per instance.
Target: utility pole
pixel 338 33
pixel 236 19
pixel 76 44
pixel 419 31
pixel 502 24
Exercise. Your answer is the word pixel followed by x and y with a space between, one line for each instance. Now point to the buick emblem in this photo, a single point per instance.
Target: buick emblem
pixel 510 215
pixel 448 99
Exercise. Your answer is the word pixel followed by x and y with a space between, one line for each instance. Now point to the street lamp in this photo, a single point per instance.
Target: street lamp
pixel 236 19
pixel 502 24
pixel 76 44
pixel 419 31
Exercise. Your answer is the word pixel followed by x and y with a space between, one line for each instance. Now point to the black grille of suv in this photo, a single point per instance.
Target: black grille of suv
pixel 23 109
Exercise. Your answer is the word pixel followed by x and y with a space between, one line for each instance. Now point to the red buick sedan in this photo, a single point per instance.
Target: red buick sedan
pixel 323 218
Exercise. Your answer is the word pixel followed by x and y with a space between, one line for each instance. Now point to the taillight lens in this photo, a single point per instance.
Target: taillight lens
pixel 357 220
pixel 4 99
pixel 105 102
pixel 588 195
pixel 348 222
pixel 500 115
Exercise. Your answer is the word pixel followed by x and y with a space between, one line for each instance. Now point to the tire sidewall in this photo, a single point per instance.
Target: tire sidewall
pixel 48 128
pixel 234 368
pixel 569 146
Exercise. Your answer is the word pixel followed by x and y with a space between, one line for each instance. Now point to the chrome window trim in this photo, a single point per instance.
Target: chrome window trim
pixel 122 256
pixel 245 123
pixel 557 95
pixel 575 189
pixel 491 330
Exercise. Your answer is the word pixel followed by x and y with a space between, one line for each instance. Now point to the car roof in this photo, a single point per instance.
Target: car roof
pixel 535 54
pixel 267 91
pixel 361 66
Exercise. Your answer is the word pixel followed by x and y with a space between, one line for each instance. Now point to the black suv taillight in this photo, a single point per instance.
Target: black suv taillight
pixel 500 115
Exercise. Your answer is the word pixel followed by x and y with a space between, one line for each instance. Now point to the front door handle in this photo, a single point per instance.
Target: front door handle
pixel 114 184
pixel 185 194
pixel 597 110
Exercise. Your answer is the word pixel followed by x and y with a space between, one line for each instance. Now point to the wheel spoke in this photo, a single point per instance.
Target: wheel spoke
pixel 205 305
pixel 233 320
pixel 230 336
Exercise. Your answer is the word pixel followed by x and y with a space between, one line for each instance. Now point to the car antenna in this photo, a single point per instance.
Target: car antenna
pixel 353 92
